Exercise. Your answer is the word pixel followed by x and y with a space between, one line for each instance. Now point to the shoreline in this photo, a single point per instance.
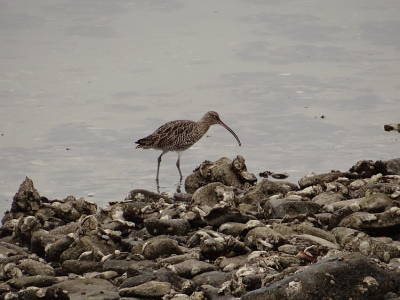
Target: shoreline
pixel 231 237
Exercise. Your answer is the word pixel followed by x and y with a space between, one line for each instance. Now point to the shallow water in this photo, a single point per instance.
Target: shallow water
pixel 82 81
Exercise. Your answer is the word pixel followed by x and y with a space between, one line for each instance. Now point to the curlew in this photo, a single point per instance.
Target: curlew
pixel 180 135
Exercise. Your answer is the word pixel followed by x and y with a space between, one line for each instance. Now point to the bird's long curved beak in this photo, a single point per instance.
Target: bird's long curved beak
pixel 230 130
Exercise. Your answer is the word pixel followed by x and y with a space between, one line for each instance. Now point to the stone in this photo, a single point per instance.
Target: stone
pixel 333 277
pixel 151 289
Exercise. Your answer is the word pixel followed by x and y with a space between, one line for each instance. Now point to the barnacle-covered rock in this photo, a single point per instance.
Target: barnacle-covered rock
pixel 230 173
pixel 314 179
pixel 27 200
pixel 267 188
pixel 279 208
pixel 333 277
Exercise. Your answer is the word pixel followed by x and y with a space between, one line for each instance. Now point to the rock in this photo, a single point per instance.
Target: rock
pixel 214 278
pixel 172 227
pixel 353 240
pixel 27 200
pixel 151 289
pixel 272 240
pixel 393 166
pixel 379 222
pixel 314 179
pixel 232 263
pixel 376 203
pixel 159 246
pixel 264 238
pixel 274 175
pixel 213 244
pixel 333 277
pixel 223 213
pixel 32 267
pixel 80 267
pixel 211 194
pixel 24 230
pixel 147 196
pixel 229 173
pixel 85 288
pixel 71 209
pixel 267 188
pixel 368 168
pixel 239 167
pixel 231 228
pixel 191 268
pixel 49 293
pixel 279 208
pixel 289 229
pixel 122 266
pixel 327 198
pixel 38 281
pixel 175 259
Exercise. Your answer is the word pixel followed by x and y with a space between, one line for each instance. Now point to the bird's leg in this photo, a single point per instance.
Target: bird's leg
pixel 178 164
pixel 159 163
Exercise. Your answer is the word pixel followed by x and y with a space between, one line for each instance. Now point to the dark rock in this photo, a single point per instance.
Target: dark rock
pixel 367 168
pixel 303 228
pixel 341 214
pixel 356 241
pixel 141 277
pixel 32 267
pixel 334 277
pixel 35 293
pixel 388 221
pixel 185 197
pixel 231 228
pixel 267 188
pixel 38 281
pixel 54 250
pixel 147 196
pixel 264 238
pixel 151 289
pixel 122 266
pixel 315 179
pixel 27 200
pixel 175 259
pixel 171 227
pixel 327 198
pixel 393 166
pixel 71 209
pixel 24 229
pixel 224 213
pixel 159 246
pixel 376 203
pixel 191 268
pixel 279 208
pixel 212 293
pixel 232 263
pixel 80 267
pixel 214 278
pixel 83 288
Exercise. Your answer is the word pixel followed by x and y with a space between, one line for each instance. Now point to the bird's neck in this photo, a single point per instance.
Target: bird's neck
pixel 202 125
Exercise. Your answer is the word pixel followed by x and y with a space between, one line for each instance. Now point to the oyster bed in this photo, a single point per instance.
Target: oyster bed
pixel 333 236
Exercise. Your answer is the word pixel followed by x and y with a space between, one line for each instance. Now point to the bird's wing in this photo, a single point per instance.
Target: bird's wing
pixel 174 135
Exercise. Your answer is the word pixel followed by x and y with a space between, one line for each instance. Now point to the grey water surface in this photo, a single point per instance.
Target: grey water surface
pixel 306 85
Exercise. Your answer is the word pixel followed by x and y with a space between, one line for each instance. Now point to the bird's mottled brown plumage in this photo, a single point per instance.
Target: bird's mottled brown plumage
pixel 180 135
